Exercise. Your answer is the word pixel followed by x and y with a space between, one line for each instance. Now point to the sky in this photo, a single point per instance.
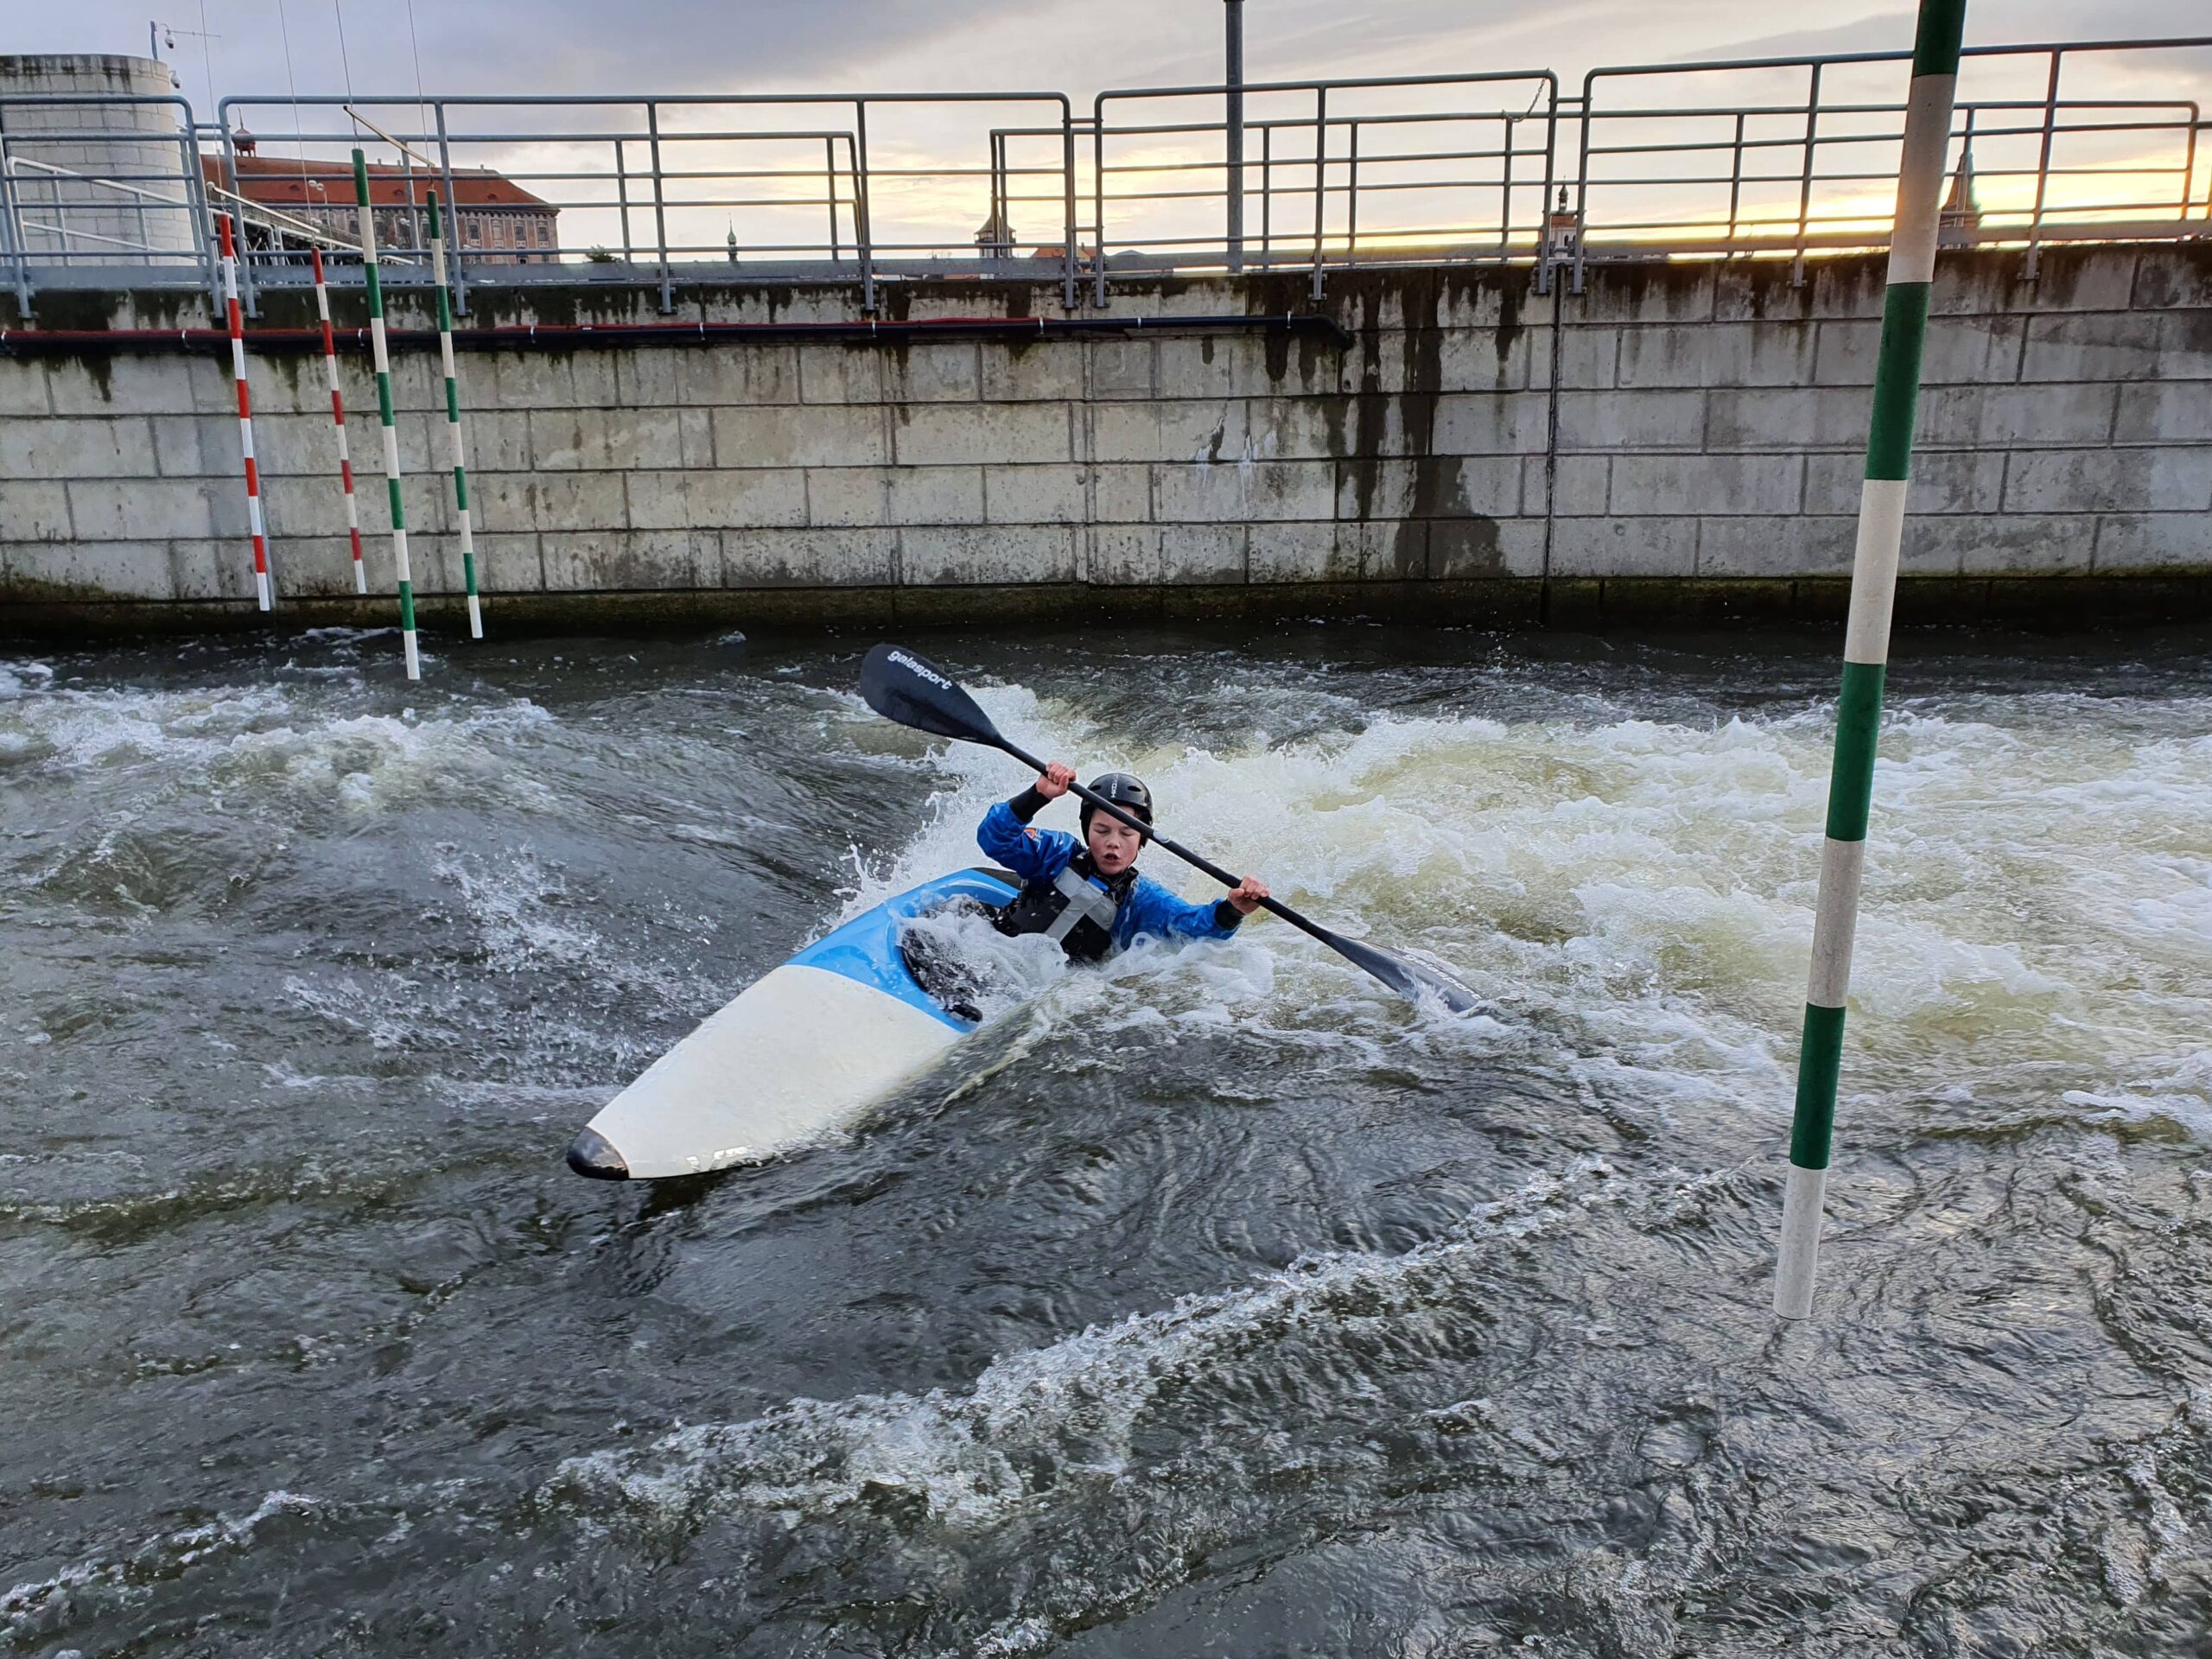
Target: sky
pixel 1073 45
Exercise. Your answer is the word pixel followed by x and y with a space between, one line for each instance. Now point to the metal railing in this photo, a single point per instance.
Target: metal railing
pixel 1449 170
pixel 41 187
pixel 1816 171
pixel 664 179
pixel 1772 158
pixel 99 181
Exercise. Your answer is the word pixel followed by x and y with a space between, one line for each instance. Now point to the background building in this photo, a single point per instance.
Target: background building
pixel 495 219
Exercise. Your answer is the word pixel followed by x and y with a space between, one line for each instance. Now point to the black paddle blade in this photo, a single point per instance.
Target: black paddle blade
pixel 902 685
pixel 1411 980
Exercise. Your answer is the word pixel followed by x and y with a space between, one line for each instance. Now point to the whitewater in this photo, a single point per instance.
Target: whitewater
pixel 1219 1300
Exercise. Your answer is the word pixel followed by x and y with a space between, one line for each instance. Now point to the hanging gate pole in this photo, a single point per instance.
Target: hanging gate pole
pixel 338 414
pixel 1866 640
pixel 453 418
pixel 261 586
pixel 375 286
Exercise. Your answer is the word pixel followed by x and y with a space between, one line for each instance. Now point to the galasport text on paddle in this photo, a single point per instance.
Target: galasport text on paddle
pixel 902 686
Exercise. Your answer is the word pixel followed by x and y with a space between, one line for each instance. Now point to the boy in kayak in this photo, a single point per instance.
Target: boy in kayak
pixel 1088 894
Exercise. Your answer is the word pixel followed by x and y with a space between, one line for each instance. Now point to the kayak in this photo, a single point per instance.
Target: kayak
pixel 799 1051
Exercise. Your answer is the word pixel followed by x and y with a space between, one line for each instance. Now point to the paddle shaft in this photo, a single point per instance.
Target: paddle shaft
pixel 1198 860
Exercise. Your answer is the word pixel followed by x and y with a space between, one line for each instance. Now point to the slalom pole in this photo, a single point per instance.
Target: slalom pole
pixel 261 586
pixel 1866 640
pixel 453 418
pixel 338 414
pixel 375 285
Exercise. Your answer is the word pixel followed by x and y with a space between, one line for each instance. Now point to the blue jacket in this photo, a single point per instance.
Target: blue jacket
pixel 1150 909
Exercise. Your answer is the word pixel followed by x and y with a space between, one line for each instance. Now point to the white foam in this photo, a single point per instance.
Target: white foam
pixel 1077 1402
pixel 2175 1089
pixel 203 739
pixel 160 1557
pixel 1649 884
pixel 18 678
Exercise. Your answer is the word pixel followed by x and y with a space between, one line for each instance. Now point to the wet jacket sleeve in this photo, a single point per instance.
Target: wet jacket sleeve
pixel 1007 840
pixel 1152 909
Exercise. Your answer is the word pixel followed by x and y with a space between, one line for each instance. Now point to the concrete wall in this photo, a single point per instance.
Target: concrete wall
pixel 1687 430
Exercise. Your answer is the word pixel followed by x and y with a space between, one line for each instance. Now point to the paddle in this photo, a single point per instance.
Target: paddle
pixel 902 686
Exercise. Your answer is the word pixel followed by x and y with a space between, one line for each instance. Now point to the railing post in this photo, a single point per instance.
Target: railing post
pixel 250 295
pixel 62 251
pixel 1506 193
pixel 2195 128
pixel 995 144
pixel 2034 265
pixel 1351 198
pixel 195 209
pixel 622 197
pixel 1735 183
pixel 1098 202
pixel 1805 183
pixel 830 172
pixel 453 212
pixel 1966 161
pixel 1234 111
pixel 1266 194
pixel 660 209
pixel 1067 205
pixel 1544 195
pixel 1582 181
pixel 863 232
pixel 2189 160
pixel 1320 178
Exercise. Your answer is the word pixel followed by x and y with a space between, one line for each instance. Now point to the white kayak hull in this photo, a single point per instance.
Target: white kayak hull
pixel 799 1054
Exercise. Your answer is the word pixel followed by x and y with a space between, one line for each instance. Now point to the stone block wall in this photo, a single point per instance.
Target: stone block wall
pixel 1695 423
pixel 2063 424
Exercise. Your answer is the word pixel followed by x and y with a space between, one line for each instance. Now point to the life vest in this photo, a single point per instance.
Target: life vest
pixel 1069 909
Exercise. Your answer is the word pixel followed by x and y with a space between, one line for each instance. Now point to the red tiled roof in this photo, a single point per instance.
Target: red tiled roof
pixel 279 181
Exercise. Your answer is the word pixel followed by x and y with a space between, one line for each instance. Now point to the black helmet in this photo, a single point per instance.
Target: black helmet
pixel 1127 792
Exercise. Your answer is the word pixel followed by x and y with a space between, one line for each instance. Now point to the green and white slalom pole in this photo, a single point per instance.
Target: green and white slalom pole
pixel 406 576
pixel 1866 640
pixel 453 418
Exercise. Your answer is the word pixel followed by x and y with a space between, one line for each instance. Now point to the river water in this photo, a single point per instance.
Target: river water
pixel 1216 1303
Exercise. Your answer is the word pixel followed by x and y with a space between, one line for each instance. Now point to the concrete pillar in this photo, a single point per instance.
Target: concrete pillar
pixel 94 182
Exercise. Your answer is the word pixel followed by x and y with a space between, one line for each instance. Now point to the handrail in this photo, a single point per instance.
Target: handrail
pixel 676 190
pixel 1323 126
pixel 2048 130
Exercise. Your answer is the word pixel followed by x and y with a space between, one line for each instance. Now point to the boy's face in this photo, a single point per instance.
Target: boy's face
pixel 1114 846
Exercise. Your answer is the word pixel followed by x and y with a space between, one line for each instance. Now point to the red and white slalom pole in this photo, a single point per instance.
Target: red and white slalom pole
pixel 245 413
pixel 338 414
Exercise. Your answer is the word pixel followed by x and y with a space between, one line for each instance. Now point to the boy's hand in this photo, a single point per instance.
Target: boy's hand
pixel 1247 895
pixel 1054 783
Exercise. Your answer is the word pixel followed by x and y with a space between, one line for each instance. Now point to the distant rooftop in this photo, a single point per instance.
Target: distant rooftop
pixel 281 182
